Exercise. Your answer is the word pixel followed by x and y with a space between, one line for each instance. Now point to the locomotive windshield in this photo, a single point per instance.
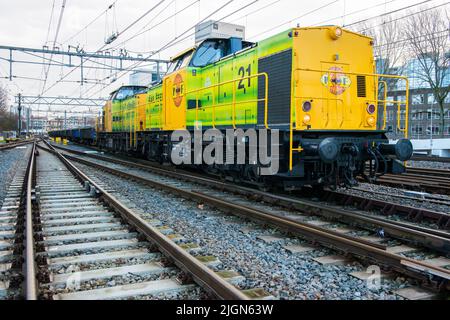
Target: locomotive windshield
pixel 209 52
pixel 179 63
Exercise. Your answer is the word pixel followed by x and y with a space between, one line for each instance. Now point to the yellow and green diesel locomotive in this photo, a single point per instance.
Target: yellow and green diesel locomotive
pixel 316 85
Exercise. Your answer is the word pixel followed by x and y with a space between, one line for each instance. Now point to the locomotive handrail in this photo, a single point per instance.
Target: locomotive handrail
pixel 233 103
pixel 293 111
pixel 399 103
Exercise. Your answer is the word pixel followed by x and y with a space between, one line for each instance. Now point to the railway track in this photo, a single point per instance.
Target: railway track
pixel 11 145
pixel 427 158
pixel 428 180
pixel 307 219
pixel 12 225
pixel 413 214
pixel 69 238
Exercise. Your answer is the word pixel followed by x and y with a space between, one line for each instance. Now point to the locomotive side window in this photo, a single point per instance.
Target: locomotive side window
pixel 126 92
pixel 179 63
pixel 209 52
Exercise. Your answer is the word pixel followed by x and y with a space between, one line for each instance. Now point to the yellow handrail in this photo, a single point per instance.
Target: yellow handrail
pixel 233 103
pixel 376 101
pixel 384 103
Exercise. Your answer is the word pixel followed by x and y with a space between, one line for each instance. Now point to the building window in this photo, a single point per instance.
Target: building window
pixel 436 130
pixel 416 129
pixel 437 115
pixel 447 114
pixel 401 99
pixel 431 99
pixel 419 115
pixel 390 104
pixel 447 98
pixel 402 114
pixel 418 99
pixel 447 130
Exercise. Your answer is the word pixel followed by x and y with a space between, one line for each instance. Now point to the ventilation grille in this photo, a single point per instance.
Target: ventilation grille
pixel 361 83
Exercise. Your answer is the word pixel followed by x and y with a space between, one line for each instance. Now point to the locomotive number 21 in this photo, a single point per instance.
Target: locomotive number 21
pixel 241 73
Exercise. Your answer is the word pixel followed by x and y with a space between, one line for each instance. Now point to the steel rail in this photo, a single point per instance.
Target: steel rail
pixel 414 183
pixel 11 145
pixel 442 173
pixel 204 276
pixel 430 159
pixel 31 290
pixel 411 267
pixel 396 229
pixel 416 214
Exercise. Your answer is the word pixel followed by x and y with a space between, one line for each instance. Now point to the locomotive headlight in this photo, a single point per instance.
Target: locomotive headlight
pixel 371 109
pixel 371 121
pixel 306 106
pixel 335 33
pixel 306 119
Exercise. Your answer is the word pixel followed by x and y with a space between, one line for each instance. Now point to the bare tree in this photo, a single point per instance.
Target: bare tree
pixel 388 48
pixel 427 35
pixel 7 121
pixel 3 100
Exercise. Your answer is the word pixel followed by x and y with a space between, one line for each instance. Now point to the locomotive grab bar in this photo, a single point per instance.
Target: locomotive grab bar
pixel 293 110
pixel 233 103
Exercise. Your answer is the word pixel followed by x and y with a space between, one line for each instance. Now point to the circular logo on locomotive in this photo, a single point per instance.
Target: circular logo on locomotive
pixel 336 81
pixel 177 90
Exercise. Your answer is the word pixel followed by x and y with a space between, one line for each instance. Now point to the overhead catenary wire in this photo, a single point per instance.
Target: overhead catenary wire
pixel 61 14
pixel 91 22
pixel 171 42
pixel 257 10
pixel 387 13
pixel 296 18
pixel 103 46
pixel 403 17
pixel 354 12
pixel 156 24
pixel 178 40
pixel 116 46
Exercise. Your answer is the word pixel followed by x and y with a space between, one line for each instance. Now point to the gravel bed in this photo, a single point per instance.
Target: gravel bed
pixel 389 195
pixel 429 164
pixel 10 161
pixel 266 265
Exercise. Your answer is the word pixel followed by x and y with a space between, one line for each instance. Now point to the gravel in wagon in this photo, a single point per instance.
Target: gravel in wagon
pixel 264 265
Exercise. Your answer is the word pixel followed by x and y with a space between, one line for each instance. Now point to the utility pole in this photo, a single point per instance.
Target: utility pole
pixel 65 119
pixel 431 131
pixel 20 114
pixel 28 121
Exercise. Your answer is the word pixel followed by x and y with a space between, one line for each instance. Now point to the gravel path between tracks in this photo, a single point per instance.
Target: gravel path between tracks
pixel 429 164
pixel 9 162
pixel 267 265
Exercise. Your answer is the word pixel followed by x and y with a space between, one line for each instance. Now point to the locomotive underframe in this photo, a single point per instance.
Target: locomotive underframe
pixel 357 150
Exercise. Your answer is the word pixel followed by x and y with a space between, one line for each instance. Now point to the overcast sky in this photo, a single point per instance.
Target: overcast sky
pixel 25 23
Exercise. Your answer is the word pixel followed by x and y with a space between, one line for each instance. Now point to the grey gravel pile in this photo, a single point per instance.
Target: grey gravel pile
pixel 266 265
pixel 429 164
pixel 10 160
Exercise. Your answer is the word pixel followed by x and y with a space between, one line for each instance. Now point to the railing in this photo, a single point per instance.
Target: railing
pixel 376 101
pixel 233 103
